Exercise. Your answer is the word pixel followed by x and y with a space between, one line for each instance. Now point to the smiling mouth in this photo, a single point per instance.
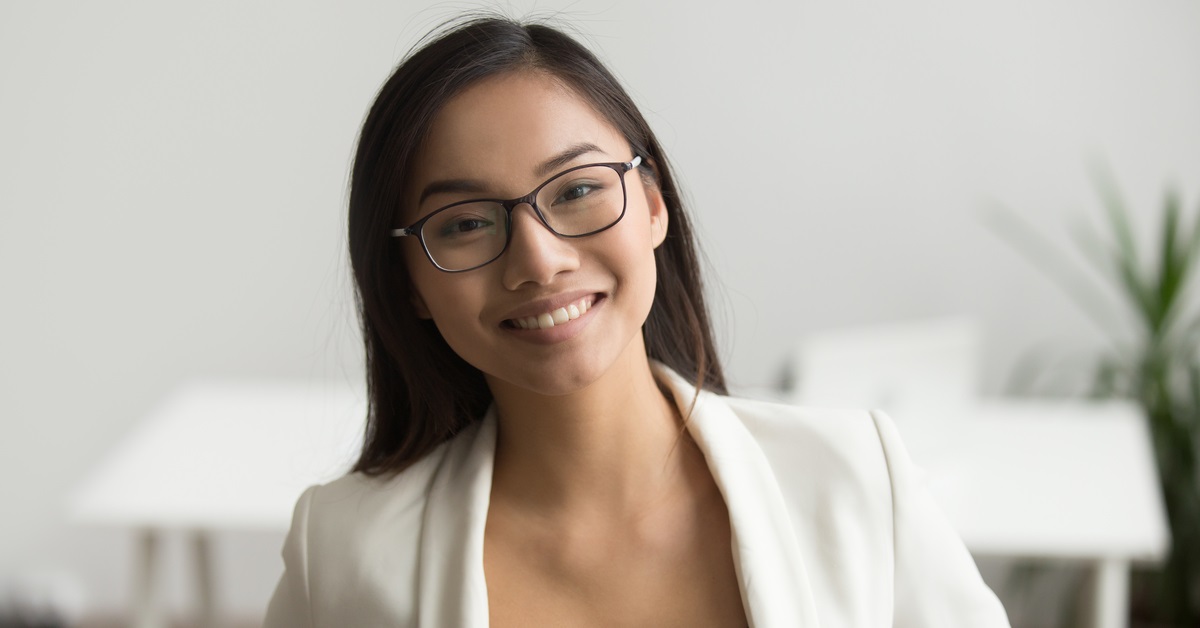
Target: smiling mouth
pixel 553 318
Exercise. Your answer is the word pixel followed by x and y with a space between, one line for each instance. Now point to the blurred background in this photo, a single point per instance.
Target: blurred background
pixel 173 183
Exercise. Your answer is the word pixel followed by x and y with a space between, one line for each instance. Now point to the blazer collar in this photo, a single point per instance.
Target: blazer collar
pixel 451 590
pixel 770 568
pixel 766 554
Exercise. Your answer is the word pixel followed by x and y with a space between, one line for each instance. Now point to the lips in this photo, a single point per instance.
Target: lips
pixel 556 316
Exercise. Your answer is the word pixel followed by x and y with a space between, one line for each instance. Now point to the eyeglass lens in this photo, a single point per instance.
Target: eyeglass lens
pixel 577 202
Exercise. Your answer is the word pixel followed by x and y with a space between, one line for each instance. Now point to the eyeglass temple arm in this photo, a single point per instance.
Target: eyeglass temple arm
pixel 403 232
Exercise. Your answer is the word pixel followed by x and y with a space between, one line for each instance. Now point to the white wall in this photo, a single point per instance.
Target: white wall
pixel 172 182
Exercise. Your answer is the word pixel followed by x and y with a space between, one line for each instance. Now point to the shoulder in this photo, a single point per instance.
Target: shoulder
pixel 354 506
pixel 823 476
pixel 841 445
pixel 832 460
pixel 865 519
pixel 777 423
pixel 355 543
pixel 355 512
pixel 814 454
pixel 359 528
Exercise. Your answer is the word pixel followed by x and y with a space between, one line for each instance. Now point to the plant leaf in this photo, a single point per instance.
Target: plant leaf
pixel 1125 254
pixel 1109 266
pixel 1193 247
pixel 1187 254
pixel 1172 267
pixel 1046 258
pixel 1194 388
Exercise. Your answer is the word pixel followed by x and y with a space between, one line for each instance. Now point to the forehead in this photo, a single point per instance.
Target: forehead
pixel 500 129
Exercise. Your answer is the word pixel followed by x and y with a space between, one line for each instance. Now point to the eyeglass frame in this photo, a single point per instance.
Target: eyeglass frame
pixel 621 167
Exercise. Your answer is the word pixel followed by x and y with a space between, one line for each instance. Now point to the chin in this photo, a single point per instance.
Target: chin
pixel 550 379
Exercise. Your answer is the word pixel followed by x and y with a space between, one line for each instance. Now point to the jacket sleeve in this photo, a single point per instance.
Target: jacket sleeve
pixel 290 605
pixel 936 583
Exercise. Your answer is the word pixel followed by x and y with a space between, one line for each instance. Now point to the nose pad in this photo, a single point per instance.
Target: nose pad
pixel 535 253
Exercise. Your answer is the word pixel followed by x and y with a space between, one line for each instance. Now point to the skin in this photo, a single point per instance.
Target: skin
pixel 603 511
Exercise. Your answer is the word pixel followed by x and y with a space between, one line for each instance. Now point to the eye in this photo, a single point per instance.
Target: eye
pixel 577 190
pixel 464 225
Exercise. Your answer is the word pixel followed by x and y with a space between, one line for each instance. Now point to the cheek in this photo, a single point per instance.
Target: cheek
pixel 440 295
pixel 640 242
pixel 631 255
pixel 453 301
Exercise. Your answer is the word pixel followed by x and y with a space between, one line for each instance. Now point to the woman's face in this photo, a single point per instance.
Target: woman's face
pixel 496 139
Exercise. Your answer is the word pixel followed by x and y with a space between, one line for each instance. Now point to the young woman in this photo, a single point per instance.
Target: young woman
pixel 548 441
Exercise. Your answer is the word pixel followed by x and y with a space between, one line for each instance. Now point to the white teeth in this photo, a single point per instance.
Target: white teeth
pixel 556 317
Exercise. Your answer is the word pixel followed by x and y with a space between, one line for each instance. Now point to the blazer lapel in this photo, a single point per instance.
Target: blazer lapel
pixel 452 590
pixel 770 567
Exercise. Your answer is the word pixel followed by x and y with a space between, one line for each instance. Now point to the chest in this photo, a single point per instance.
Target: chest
pixel 678 576
pixel 609 584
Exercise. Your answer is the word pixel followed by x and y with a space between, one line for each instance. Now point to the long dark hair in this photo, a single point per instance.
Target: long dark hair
pixel 420 393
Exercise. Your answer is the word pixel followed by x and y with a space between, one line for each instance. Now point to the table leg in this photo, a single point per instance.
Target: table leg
pixel 202 562
pixel 1110 594
pixel 147 610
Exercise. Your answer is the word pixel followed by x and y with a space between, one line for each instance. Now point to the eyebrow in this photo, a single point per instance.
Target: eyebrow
pixel 453 186
pixel 565 157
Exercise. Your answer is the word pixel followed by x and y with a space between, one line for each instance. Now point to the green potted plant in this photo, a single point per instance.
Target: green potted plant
pixel 1155 362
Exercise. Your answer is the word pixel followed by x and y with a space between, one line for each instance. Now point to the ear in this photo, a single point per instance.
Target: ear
pixel 658 215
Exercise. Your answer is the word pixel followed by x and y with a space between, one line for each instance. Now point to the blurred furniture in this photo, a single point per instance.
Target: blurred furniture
pixel 923 364
pixel 218 456
pixel 1036 479
pixel 1058 480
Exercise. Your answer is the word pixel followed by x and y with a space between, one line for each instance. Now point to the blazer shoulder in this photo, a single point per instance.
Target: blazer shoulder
pixel 359 528
pixel 356 498
pixel 830 438
pixel 357 507
pixel 826 461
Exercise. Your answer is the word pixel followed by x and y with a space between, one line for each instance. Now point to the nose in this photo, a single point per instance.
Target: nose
pixel 535 254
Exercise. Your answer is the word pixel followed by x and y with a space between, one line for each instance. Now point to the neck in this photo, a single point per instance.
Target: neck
pixel 612 448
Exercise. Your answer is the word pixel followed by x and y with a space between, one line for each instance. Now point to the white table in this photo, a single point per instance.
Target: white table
pixel 219 456
pixel 1066 480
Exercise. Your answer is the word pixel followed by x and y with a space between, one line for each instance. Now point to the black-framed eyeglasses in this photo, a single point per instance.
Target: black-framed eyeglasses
pixel 575 203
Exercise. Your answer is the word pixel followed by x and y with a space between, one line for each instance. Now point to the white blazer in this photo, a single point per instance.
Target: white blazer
pixel 830 527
